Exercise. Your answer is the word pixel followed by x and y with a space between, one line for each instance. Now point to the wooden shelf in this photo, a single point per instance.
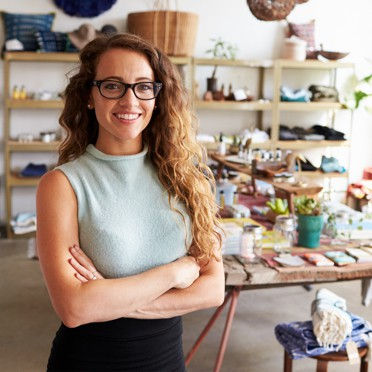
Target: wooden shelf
pixel 34 104
pixel 320 174
pixel 33 146
pixel 313 64
pixel 180 60
pixel 309 106
pixel 232 105
pixel 301 144
pixel 235 62
pixel 41 56
pixel 14 180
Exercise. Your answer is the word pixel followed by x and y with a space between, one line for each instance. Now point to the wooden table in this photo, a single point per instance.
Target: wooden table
pixel 282 189
pixel 242 276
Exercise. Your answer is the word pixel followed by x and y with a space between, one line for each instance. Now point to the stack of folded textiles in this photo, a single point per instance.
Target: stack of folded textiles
pixel 23 223
pixel 332 327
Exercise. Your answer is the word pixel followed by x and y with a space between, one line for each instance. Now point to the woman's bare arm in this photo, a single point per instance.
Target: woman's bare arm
pixel 206 291
pixel 79 303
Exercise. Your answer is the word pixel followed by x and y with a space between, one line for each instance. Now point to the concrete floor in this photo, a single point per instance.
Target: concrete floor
pixel 28 322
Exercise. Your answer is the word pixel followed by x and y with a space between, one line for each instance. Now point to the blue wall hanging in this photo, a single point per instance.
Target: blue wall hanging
pixel 84 8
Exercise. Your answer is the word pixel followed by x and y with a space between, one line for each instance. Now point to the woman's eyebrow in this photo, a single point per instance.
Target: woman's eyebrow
pixel 147 78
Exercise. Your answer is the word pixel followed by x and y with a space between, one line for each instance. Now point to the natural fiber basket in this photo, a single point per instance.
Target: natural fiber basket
pixel 272 10
pixel 172 32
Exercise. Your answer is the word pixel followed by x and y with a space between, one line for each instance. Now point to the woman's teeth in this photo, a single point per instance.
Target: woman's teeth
pixel 127 116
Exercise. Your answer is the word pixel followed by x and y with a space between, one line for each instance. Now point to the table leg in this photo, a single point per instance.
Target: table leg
pixel 207 328
pixel 322 366
pixel 287 362
pixel 226 332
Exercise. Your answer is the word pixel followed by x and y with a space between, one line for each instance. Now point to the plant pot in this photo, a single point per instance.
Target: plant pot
pixel 212 84
pixel 309 230
pixel 172 32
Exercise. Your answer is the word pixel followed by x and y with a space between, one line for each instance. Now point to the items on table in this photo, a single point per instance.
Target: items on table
pixel 284 228
pixel 318 259
pixel 361 255
pixel 251 243
pixel 340 258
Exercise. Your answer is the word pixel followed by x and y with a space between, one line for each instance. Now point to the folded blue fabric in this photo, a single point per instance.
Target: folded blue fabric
pixel 299 341
pixel 298 95
pixel 34 170
pixel 331 164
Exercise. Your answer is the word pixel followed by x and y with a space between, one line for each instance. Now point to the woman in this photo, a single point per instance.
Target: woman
pixel 130 204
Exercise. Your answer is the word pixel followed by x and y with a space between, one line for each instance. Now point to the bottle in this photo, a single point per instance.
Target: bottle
pixel 222 199
pixel 23 93
pixel 251 243
pixel 221 149
pixel 235 199
pixel 15 93
pixel 278 154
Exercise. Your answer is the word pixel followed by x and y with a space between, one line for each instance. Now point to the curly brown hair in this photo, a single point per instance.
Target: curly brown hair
pixel 170 136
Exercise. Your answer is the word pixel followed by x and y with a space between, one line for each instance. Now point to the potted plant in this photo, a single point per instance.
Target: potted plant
pixel 310 221
pixel 171 31
pixel 220 50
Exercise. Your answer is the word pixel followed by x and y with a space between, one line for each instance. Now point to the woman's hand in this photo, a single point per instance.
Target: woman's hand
pixel 83 265
pixel 187 271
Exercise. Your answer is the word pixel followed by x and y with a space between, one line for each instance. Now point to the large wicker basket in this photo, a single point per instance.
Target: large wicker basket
pixel 172 32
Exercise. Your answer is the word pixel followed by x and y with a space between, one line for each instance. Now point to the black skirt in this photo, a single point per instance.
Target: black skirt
pixel 123 344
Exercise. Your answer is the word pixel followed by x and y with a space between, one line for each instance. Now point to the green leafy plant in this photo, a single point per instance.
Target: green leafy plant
pixel 278 206
pixel 221 50
pixel 307 206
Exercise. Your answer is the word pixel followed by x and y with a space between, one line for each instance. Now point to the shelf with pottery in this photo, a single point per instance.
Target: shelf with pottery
pixel 312 64
pixel 233 105
pixel 34 146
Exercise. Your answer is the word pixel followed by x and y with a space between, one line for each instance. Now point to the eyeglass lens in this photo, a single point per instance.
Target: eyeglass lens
pixel 142 90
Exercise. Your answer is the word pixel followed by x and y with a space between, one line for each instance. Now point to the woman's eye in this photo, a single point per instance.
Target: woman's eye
pixel 144 87
pixel 112 86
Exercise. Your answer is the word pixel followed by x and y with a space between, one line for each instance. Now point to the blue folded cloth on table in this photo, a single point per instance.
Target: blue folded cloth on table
pixel 34 170
pixel 299 341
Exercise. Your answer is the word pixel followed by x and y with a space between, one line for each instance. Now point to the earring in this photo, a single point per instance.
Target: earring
pixel 90 106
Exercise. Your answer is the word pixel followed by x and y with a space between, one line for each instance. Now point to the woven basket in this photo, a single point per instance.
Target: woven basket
pixel 272 10
pixel 172 32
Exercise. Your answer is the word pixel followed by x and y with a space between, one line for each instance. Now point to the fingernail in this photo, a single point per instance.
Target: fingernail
pixel 72 249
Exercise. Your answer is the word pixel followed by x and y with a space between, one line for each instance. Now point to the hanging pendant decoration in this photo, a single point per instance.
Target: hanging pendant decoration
pixel 271 10
pixel 84 8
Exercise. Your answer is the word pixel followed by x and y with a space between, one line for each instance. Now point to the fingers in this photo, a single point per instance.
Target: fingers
pixel 82 258
pixel 81 278
pixel 81 270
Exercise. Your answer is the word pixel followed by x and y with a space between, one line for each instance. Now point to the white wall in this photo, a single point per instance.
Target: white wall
pixel 341 24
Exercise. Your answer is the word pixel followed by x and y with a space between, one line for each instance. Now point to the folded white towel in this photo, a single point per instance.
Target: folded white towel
pixel 331 323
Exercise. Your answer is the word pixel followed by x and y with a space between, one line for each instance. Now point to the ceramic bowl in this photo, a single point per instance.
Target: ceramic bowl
pixel 333 55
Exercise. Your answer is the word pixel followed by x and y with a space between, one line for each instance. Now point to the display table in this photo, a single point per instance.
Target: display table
pixel 242 276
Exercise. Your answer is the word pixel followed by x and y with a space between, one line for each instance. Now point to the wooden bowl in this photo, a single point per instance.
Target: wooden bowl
pixel 333 55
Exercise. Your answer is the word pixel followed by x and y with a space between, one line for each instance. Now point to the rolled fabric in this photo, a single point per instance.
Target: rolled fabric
pixel 331 322
pixel 299 340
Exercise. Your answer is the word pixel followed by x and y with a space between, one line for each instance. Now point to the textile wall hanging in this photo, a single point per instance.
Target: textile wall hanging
pixel 84 8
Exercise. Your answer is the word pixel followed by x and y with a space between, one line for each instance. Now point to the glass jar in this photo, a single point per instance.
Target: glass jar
pixel 251 243
pixel 284 234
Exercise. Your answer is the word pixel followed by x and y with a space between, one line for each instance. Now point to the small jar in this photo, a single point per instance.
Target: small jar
pixel 284 233
pixel 278 154
pixel 251 243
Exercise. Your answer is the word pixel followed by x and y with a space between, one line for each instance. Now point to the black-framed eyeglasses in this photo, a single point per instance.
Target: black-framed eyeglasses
pixel 113 89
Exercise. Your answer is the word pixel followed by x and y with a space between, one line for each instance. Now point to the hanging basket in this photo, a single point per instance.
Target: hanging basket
pixel 271 10
pixel 172 32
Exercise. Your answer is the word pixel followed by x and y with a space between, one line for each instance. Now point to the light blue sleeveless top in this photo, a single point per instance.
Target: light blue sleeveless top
pixel 126 225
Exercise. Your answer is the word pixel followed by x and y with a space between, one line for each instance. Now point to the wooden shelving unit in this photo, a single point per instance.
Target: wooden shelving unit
pixel 12 146
pixel 259 106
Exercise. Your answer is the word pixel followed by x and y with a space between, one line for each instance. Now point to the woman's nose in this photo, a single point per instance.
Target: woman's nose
pixel 128 97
